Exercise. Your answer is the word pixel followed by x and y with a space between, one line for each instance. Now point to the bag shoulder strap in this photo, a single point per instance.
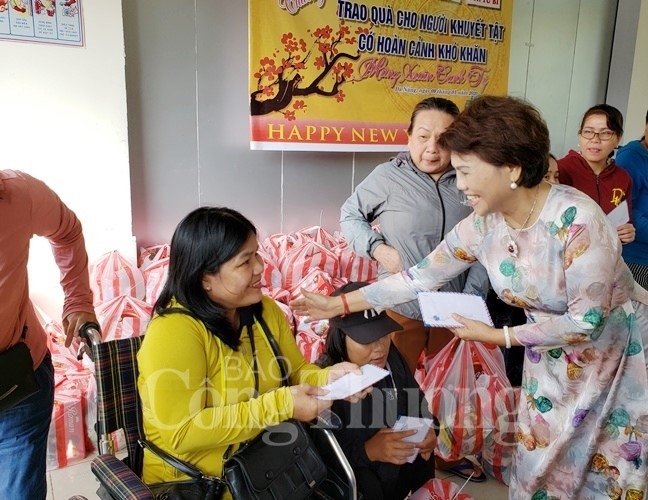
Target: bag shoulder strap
pixel 181 465
pixel 275 349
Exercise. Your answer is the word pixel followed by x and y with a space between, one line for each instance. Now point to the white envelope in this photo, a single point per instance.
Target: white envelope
pixel 437 308
pixel 351 383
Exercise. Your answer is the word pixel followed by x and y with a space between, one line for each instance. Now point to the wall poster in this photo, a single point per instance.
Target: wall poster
pixel 342 75
pixel 45 21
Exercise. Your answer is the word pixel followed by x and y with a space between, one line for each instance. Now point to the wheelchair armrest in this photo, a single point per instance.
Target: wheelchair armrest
pixel 341 479
pixel 327 419
pixel 118 479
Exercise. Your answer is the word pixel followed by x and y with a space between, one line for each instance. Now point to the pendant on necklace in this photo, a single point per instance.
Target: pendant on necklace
pixel 512 248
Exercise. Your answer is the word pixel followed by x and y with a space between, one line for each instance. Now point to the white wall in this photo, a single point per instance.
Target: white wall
pixel 635 123
pixel 560 56
pixel 64 121
pixel 65 118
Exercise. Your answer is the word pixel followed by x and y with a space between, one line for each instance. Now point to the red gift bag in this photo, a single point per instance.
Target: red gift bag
pixel 467 387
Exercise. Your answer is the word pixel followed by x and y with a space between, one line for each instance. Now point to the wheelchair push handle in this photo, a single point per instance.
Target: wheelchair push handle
pixel 90 334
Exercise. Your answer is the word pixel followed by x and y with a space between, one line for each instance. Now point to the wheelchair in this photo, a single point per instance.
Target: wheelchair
pixel 119 420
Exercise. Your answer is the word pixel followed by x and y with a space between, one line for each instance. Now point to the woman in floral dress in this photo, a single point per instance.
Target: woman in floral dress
pixel 583 415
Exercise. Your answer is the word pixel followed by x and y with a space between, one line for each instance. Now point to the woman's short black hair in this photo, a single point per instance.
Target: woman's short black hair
pixel 202 242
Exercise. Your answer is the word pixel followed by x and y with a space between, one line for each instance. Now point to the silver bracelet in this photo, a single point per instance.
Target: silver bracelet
pixel 507 337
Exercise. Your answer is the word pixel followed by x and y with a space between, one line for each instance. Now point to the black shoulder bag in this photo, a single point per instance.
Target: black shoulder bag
pixel 282 462
pixel 18 380
pixel 199 487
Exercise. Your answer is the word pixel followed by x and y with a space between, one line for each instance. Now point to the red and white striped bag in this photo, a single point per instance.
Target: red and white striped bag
pixel 439 489
pixel 319 235
pixel 467 407
pixel 499 445
pixel 113 275
pixel 154 263
pixel 152 254
pixel 299 261
pixel 316 281
pixel 279 294
pixel 311 338
pixel 280 244
pixel 155 276
pixel 271 277
pixel 355 267
pixel 123 317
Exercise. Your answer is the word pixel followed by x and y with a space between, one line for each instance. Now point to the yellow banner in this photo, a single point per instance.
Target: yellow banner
pixel 345 76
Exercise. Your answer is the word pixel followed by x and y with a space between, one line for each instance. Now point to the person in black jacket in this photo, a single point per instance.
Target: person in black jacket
pixel 379 456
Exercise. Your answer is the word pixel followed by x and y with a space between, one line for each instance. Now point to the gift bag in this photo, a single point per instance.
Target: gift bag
pixel 311 338
pixel 466 386
pixel 316 281
pixel 319 235
pixel 280 244
pixel 122 317
pixel 499 445
pixel 354 267
pixel 439 489
pixel 113 275
pixel 154 264
pixel 301 259
pixel 152 254
pixel 66 438
pixel 271 277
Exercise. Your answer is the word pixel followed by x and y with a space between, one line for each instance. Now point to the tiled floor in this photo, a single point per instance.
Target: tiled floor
pixel 78 480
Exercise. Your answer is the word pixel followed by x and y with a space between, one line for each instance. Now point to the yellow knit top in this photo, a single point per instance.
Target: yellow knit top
pixel 197 393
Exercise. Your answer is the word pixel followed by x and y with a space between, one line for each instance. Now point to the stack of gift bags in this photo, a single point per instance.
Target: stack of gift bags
pixel 71 434
pixel 315 260
pixel 123 296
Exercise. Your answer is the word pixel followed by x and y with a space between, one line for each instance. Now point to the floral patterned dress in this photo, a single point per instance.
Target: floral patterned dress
pixel 583 415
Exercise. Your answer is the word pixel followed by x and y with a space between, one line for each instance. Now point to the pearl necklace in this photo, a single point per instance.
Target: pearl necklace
pixel 512 247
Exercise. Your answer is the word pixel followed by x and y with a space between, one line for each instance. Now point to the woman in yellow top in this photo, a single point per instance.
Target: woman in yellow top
pixel 197 362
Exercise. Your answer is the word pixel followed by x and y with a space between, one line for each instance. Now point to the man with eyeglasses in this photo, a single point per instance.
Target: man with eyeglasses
pixel 592 168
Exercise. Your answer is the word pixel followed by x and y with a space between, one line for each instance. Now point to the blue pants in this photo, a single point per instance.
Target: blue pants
pixel 23 440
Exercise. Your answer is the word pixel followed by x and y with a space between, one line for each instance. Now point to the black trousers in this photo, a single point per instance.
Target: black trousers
pixel 504 314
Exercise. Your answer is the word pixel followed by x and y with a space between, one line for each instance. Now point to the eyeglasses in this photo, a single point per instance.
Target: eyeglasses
pixel 604 135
